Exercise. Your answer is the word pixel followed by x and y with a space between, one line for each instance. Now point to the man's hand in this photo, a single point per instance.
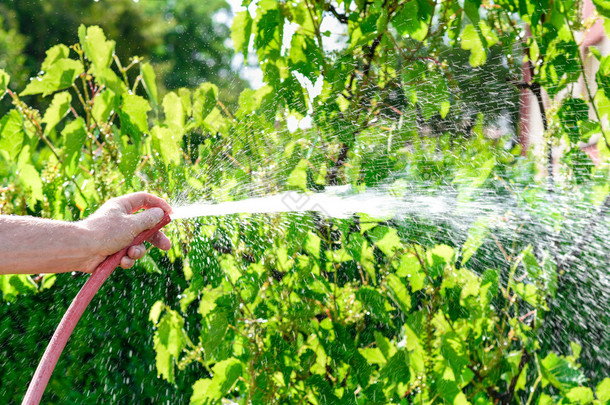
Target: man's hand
pixel 31 245
pixel 115 224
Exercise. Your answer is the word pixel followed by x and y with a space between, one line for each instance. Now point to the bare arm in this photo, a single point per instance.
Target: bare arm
pixel 34 245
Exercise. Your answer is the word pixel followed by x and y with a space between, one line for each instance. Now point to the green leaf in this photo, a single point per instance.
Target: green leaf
pixel 386 239
pixel 305 56
pixel 11 285
pixel 432 94
pixel 97 49
pixel 57 110
pixel 338 256
pixel 174 113
pixel 312 244
pixel 31 180
pixel 471 8
pixel 409 22
pixel 385 345
pixel 48 280
pixel 208 300
pixel 580 395
pixel 168 341
pixel 155 312
pixel 29 176
pixel 373 355
pixel 476 235
pixel 603 391
pixel 129 159
pixel 374 303
pixel 562 374
pixel 213 334
pixel 410 268
pixel 360 249
pixel 399 293
pixel 527 292
pixel 167 144
pixel 185 99
pixel 149 80
pixel 241 30
pixel 75 135
pixel 109 79
pixel 103 105
pixel 204 101
pixel 225 373
pixel 54 54
pixel 11 134
pixel 602 7
pixel 573 112
pixel 298 176
pixel 4 79
pixel 133 115
pixel 215 122
pixel 471 41
pixel 60 75
pixel 438 258
pixel 201 388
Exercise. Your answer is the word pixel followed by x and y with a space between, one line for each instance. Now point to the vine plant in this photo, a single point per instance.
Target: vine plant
pixel 297 309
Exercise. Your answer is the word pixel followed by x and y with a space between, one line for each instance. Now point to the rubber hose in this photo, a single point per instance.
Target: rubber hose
pixel 73 314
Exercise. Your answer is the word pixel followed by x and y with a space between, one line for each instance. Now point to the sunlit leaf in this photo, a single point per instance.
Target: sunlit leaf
pixel 472 42
pixel 4 79
pixel 54 54
pixel 476 235
pixel 75 135
pixel 241 30
pixel 204 101
pixel 60 75
pixel 103 105
pixel 11 134
pixel 133 114
pixel 386 239
pixel 560 372
pixel 149 79
pixel 57 110
pixel 399 293
pixel 97 49
pixel 603 391
pixel 174 113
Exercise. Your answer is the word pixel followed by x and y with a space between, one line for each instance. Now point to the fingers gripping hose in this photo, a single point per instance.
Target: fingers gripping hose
pixel 73 314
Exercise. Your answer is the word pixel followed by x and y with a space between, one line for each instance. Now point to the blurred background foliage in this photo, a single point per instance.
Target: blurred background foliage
pixel 180 38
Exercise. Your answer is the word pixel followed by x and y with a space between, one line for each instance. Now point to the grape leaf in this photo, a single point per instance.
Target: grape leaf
pixel 97 49
pixel 4 79
pixel 241 30
pixel 57 110
pixel 149 80
pixel 11 134
pixel 60 75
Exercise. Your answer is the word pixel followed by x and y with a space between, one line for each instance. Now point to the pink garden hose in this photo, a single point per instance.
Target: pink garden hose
pixel 73 314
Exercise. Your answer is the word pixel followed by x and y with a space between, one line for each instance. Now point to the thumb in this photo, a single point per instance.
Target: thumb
pixel 147 219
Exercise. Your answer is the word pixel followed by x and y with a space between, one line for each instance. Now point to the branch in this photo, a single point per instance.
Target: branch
pixel 341 17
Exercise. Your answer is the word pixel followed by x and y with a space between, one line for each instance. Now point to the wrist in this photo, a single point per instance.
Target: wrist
pixel 90 238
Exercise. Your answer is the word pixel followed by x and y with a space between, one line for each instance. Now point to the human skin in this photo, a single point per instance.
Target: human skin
pixel 30 245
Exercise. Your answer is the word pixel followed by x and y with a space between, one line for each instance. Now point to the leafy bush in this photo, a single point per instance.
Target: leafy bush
pixel 307 309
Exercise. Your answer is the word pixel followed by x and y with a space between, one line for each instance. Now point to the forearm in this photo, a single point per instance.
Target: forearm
pixel 34 245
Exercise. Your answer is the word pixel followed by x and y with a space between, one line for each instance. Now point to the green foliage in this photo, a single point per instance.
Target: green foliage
pixel 299 308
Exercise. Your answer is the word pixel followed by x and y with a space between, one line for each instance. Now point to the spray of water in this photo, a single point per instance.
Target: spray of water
pixel 567 228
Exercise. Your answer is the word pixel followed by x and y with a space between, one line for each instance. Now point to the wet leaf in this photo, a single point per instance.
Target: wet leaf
pixel 57 110
pixel 60 75
pixel 11 134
